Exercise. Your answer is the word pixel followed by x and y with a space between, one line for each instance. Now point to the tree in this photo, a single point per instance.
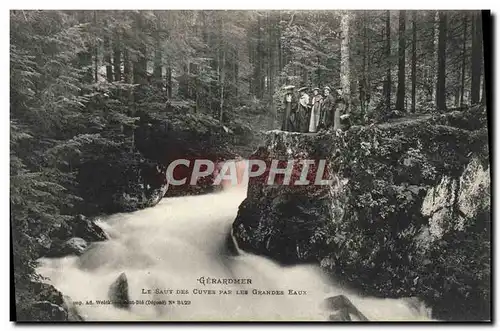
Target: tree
pixel 414 63
pixel 441 81
pixel 400 97
pixel 117 58
pixel 476 58
pixel 388 82
pixel 464 55
pixel 107 58
pixel 345 75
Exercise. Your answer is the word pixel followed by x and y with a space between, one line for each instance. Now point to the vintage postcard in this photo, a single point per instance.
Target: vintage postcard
pixel 272 165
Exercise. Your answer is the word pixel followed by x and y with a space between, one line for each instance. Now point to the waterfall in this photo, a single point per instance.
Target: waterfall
pixel 165 251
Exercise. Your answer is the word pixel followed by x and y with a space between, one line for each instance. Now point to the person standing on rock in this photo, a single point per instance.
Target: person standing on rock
pixel 327 109
pixel 302 116
pixel 289 103
pixel 341 115
pixel 315 110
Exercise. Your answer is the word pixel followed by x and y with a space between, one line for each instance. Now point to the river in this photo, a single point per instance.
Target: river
pixel 169 247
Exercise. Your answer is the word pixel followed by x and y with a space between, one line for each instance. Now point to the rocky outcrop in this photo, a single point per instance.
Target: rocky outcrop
pixel 55 242
pixel 73 246
pixel 79 226
pixel 405 199
pixel 118 292
pixel 342 309
pixel 47 304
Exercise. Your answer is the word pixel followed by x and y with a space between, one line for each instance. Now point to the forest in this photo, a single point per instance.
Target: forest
pixel 81 80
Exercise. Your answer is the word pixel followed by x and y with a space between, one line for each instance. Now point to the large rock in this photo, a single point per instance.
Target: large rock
pixel 45 311
pixel 73 313
pixel 47 304
pixel 80 226
pixel 407 201
pixel 118 292
pixel 47 292
pixel 342 309
pixel 73 246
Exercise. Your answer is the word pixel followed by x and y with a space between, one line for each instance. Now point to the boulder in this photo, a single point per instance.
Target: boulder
pixel 47 304
pixel 45 311
pixel 342 309
pixel 44 243
pixel 118 292
pixel 73 246
pixel 80 226
pixel 73 313
pixel 47 292
pixel 86 228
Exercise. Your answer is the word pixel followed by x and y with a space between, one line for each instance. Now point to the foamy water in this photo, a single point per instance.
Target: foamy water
pixel 171 245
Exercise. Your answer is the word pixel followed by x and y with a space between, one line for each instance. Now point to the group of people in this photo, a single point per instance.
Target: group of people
pixel 310 114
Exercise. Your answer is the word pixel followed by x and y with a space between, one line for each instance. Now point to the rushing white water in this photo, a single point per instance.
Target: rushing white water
pixel 171 245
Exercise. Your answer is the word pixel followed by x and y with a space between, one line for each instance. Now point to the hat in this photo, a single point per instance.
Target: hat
pixel 289 87
pixel 316 89
pixel 302 89
pixel 327 88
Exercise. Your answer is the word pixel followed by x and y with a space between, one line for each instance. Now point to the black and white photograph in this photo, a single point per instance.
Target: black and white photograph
pixel 250 165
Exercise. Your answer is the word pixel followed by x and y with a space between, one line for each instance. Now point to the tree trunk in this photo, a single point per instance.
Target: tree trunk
pixel 258 62
pixel 363 86
pixel 280 52
pixel 116 58
pixel 127 70
pixel 400 97
pixel 140 65
pixel 345 75
pixel 127 75
pixel 107 58
pixel 85 57
pixel 222 82
pixel 222 75
pixel 441 81
pixel 464 50
pixel 157 66
pixel 168 81
pixel 388 82
pixel 436 55
pixel 476 58
pixel 414 63
pixel 96 47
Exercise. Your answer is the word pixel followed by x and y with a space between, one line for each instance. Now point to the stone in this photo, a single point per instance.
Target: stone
pixel 342 309
pixel 45 311
pixel 118 292
pixel 47 292
pixel 72 310
pixel 73 246
pixel 87 229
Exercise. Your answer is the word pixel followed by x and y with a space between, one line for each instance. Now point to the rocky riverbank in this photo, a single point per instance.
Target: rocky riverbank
pixel 123 176
pixel 407 213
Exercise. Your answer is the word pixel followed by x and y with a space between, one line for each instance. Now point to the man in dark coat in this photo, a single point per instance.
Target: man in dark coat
pixel 341 118
pixel 327 109
pixel 303 112
pixel 289 105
